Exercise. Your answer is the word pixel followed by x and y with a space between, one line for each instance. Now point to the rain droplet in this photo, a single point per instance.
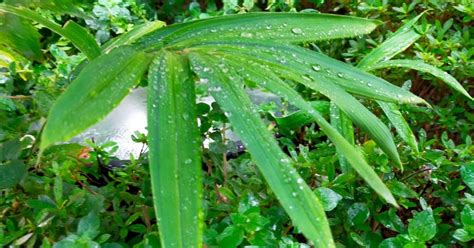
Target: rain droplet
pixel 316 67
pixel 340 75
pixel 246 35
pixel 188 161
pixel 297 30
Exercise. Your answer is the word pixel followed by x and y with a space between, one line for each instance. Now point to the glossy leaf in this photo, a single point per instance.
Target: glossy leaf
pixel 328 197
pixel 300 118
pixel 175 163
pixel 295 196
pixel 302 63
pixel 341 122
pixel 79 36
pixel 132 35
pixel 401 125
pixel 322 81
pixel 20 36
pixel 423 226
pixel 283 27
pixel 273 84
pixel 58 6
pixel 81 39
pixel 88 99
pixel 467 173
pixel 423 67
pixel 401 40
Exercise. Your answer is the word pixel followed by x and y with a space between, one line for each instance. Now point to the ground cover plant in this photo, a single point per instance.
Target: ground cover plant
pixel 323 174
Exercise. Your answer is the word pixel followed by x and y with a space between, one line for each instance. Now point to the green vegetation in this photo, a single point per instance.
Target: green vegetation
pixel 373 151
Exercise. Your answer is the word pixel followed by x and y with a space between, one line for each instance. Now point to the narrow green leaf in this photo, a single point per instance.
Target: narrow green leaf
pixel 423 67
pixel 58 6
pixel 174 142
pixel 8 55
pixel 357 112
pixel 302 64
pixel 132 35
pixel 341 122
pixel 401 40
pixel 403 128
pixel 284 27
pixel 295 196
pixel 300 118
pixel 99 87
pixel 79 36
pixel 265 78
pixel 19 35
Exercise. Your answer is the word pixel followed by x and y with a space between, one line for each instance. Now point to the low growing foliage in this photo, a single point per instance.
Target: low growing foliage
pixel 225 57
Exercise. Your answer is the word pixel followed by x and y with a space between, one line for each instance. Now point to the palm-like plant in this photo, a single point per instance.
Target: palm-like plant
pixel 225 54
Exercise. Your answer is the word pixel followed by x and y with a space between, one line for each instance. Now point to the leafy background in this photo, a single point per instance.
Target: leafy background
pixel 75 200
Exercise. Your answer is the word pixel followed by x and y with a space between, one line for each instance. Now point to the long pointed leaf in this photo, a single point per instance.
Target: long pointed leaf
pixel 131 36
pixel 268 80
pixel 19 35
pixel 284 27
pixel 401 40
pixel 300 118
pixel 79 36
pixel 357 112
pixel 403 128
pixel 403 37
pixel 423 67
pixel 175 162
pixel 341 122
pixel 99 87
pixel 295 196
pixel 320 67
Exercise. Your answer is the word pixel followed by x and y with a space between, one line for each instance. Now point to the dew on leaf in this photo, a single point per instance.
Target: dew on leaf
pixel 297 30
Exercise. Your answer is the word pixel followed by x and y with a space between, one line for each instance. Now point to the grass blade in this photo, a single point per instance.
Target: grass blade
pixel 81 39
pixel 284 27
pixel 304 63
pixel 98 88
pixel 19 35
pixel 423 67
pixel 273 84
pixel 300 118
pixel 131 36
pixel 357 112
pixel 401 40
pixel 295 196
pixel 403 128
pixel 341 122
pixel 175 162
pixel 79 36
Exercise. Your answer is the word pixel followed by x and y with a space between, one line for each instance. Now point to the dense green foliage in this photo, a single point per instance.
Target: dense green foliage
pixel 71 198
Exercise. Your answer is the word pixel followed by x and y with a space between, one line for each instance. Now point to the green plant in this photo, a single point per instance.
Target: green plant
pixel 217 52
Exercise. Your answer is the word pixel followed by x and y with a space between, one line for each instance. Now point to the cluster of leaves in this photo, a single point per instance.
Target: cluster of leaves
pixel 76 201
